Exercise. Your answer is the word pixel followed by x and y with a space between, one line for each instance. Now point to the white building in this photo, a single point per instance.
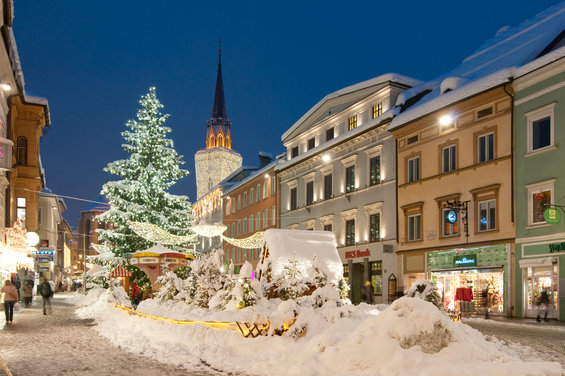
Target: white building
pixel 340 176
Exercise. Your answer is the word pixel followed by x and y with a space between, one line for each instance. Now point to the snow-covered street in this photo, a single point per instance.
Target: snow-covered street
pixel 534 341
pixel 62 344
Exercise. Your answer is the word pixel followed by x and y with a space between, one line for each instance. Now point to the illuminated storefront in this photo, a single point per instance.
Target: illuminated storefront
pixel 474 269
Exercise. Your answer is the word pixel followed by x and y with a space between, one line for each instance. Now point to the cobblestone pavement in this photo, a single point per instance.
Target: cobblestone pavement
pixel 541 341
pixel 62 344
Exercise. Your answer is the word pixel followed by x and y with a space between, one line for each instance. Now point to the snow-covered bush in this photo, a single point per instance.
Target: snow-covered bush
pixel 171 285
pixel 291 285
pixel 425 290
pixel 208 276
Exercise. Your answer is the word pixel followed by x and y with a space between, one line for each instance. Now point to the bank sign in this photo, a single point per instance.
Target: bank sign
pixel 357 253
pixel 466 260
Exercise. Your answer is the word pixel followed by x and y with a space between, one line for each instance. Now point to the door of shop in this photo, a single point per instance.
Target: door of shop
pixel 536 280
pixel 357 283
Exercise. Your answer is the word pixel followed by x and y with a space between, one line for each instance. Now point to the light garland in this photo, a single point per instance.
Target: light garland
pixel 254 241
pixel 155 234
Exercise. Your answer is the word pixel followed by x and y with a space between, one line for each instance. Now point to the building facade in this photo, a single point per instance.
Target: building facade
pixel 539 113
pixel 340 177
pixel 49 258
pixel 455 207
pixel 249 207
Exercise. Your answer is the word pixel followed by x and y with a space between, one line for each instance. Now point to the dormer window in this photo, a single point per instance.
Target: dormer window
pixel 294 152
pixel 311 143
pixel 352 123
pixel 377 110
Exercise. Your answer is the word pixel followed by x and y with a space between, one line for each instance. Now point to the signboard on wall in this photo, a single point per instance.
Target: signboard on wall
pixel 465 260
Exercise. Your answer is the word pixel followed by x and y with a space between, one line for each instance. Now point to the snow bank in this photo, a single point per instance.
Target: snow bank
pixel 288 245
pixel 410 336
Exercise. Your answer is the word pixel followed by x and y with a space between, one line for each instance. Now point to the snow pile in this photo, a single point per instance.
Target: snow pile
pixel 411 336
pixel 98 301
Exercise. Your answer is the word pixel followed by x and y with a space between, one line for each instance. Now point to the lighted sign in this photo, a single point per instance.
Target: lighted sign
pixel 452 216
pixel 552 215
pixel 466 260
pixel 357 253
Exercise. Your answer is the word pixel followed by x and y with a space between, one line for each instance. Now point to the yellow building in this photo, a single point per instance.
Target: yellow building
pixel 26 178
pixel 455 203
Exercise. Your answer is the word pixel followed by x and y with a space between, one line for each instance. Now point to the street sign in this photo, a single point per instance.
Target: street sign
pixel 552 215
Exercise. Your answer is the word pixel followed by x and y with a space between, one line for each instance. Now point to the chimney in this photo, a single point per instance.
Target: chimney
pixel 264 159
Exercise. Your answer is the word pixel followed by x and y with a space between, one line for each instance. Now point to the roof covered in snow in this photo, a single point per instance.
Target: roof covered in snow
pixel 359 89
pixel 301 245
pixel 491 65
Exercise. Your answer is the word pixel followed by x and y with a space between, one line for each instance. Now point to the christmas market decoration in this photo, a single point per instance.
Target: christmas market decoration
pixel 156 260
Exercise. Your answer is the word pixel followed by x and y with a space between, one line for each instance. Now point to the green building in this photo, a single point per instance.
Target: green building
pixel 539 118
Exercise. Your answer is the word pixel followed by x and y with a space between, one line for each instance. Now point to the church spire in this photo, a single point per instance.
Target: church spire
pixel 219 109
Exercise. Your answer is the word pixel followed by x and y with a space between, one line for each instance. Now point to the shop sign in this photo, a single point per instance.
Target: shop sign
pixel 465 260
pixel 556 247
pixel 552 215
pixel 387 248
pixel 357 253
pixel 44 243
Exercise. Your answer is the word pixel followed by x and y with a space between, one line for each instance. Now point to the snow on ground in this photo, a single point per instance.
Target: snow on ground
pixel 408 337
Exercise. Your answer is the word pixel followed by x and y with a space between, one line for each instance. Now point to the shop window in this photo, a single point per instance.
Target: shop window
pixel 293 198
pixel 377 277
pixel 540 197
pixel 413 169
pixel 349 179
pixel 346 273
pixel 328 186
pixel 375 227
pixel 540 128
pixel 311 143
pixel 21 209
pixel 310 193
pixel 449 158
pixel 414 227
pixel 487 215
pixel 352 122
pixel 330 134
pixel 22 151
pixel 485 147
pixel 350 232
pixel 449 224
pixel 375 170
pixel 377 110
pixel 328 227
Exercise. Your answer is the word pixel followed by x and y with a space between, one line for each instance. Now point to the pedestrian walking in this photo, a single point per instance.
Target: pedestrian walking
pixel 46 292
pixel 368 293
pixel 542 303
pixel 10 299
pixel 17 284
pixel 28 293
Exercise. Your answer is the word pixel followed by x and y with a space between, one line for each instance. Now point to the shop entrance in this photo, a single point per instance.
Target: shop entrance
pixel 357 283
pixel 536 280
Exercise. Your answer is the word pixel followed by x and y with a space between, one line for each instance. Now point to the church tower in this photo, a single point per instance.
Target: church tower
pixel 214 163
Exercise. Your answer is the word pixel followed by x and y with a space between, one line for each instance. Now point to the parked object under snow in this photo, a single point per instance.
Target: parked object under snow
pixel 299 247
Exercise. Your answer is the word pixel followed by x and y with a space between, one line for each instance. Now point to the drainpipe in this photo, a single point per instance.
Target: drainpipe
pixel 510 303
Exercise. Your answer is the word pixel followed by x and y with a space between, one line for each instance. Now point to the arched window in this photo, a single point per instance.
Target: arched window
pixel 22 151
pixel 220 142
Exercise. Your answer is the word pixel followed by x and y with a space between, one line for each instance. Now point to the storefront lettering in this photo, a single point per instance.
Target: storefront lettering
pixel 559 247
pixel 469 260
pixel 357 253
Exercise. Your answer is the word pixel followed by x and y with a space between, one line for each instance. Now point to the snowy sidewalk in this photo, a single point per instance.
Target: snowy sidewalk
pixel 62 344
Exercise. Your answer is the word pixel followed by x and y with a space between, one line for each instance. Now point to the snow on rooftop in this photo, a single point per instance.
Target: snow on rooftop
pixel 287 245
pixel 497 59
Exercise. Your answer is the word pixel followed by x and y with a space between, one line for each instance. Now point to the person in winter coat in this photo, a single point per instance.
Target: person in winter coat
pixel 10 298
pixel 543 304
pixel 368 293
pixel 46 292
pixel 28 293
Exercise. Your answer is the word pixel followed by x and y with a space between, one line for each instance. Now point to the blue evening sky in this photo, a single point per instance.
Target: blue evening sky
pixel 94 59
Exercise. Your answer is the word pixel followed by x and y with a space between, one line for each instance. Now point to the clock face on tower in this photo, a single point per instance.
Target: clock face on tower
pixel 452 216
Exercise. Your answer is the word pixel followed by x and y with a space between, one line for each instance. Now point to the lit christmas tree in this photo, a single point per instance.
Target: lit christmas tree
pixel 152 168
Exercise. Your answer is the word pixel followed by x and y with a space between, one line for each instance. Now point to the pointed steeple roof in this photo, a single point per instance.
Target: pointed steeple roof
pixel 219 109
